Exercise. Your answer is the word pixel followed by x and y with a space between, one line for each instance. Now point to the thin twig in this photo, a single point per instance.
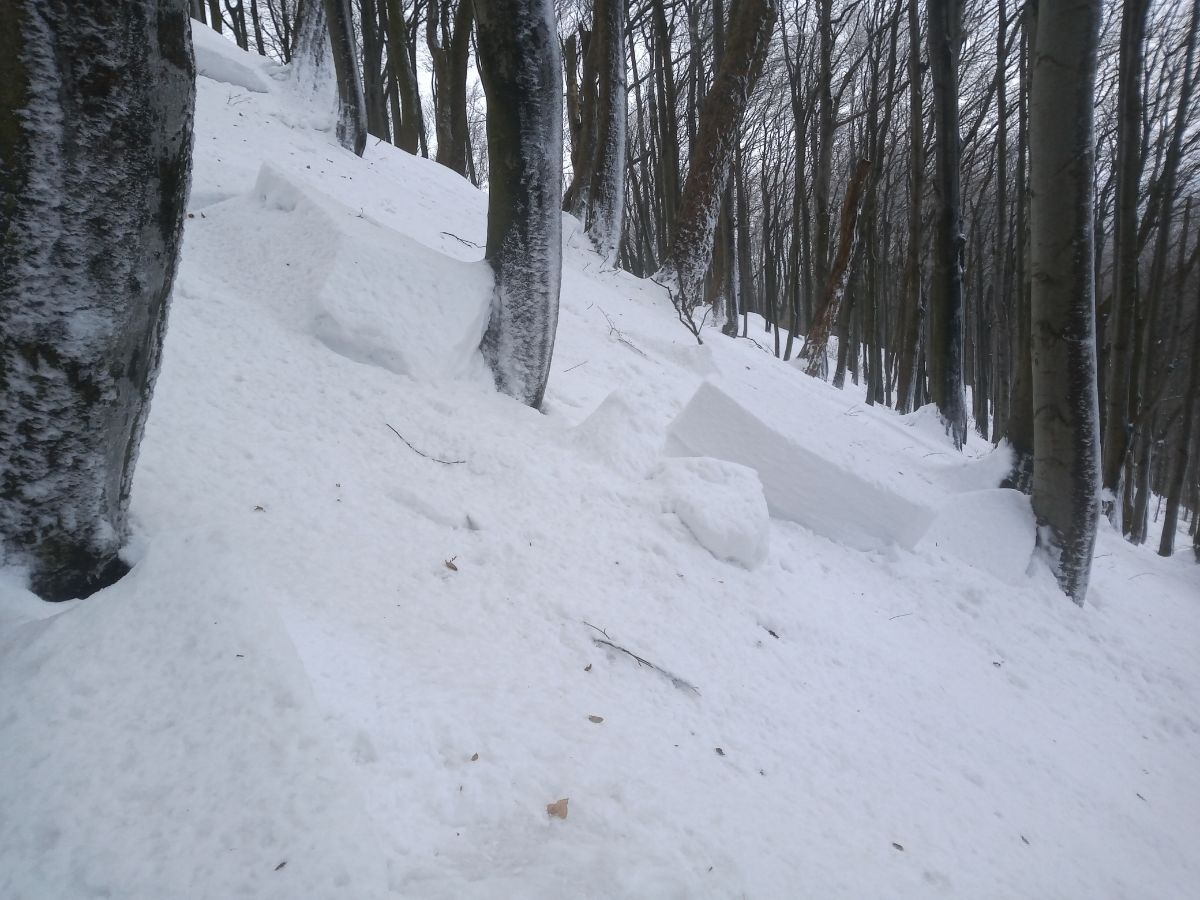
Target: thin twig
pixel 901 616
pixel 444 462
pixel 620 335
pixel 641 661
pixel 574 367
pixel 463 240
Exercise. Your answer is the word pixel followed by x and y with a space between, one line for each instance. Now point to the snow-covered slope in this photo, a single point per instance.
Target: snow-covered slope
pixel 358 662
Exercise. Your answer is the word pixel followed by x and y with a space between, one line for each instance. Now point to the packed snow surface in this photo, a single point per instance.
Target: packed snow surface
pixel 381 616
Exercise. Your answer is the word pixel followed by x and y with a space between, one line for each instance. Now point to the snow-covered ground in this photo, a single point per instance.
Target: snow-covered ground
pixel 358 662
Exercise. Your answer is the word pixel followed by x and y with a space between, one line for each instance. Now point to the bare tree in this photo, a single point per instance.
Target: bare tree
pixel 519 63
pixel 95 159
pixel 1066 463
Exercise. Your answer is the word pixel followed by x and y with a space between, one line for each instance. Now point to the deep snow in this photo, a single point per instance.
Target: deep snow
pixel 342 667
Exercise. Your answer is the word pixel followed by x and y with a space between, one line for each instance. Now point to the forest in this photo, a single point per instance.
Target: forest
pixel 844 210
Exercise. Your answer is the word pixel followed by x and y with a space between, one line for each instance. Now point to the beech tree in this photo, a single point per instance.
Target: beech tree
pixel 95 157
pixel 521 70
pixel 1066 461
pixel 712 155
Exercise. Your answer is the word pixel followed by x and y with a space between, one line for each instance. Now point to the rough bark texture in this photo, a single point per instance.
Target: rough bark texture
pixel 1118 425
pixel 712 154
pixel 1066 464
pixel 352 109
pixel 945 359
pixel 450 51
pixel 835 288
pixel 521 70
pixel 95 156
pixel 408 129
pixel 606 202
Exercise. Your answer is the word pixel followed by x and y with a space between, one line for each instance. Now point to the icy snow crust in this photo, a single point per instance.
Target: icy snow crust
pixel 344 669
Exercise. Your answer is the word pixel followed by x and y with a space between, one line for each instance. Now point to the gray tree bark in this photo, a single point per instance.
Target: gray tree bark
pixel 95 158
pixel 521 70
pixel 1066 462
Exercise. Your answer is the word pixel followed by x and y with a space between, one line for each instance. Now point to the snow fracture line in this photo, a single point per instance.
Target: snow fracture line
pixel 444 462
pixel 674 679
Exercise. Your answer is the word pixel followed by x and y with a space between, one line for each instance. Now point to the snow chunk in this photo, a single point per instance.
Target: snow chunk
pixel 804 481
pixel 622 433
pixel 722 504
pixel 990 530
pixel 220 60
pixel 364 291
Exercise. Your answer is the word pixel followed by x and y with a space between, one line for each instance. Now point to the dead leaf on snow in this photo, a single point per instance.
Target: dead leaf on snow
pixel 450 564
pixel 596 719
pixel 558 808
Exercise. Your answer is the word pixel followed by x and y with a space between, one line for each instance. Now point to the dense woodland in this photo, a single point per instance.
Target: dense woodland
pixel 844 119
pixel 986 206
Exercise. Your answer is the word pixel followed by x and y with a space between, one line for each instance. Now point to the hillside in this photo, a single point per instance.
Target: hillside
pixel 375 620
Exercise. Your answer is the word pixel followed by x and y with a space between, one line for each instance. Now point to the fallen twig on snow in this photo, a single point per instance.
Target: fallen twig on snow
pixel 607 641
pixel 444 462
pixel 463 240
pixel 614 330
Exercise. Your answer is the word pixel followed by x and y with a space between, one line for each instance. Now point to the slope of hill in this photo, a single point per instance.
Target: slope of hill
pixel 767 641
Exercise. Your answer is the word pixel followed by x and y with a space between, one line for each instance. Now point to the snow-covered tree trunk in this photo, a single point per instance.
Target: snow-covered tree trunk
pixel 325 47
pixel 606 206
pixel 521 71
pixel 1066 438
pixel 945 356
pixel 712 154
pixel 96 109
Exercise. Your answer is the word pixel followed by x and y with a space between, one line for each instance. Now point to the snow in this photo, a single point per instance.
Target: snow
pixel 338 653
pixel 722 505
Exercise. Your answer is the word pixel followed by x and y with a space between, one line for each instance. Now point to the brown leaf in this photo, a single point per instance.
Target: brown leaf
pixel 474 757
pixel 558 808
pixel 596 719
pixel 450 564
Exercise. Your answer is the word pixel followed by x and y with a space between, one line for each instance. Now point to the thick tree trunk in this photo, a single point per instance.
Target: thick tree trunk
pixel 946 306
pixel 1066 464
pixel 1118 419
pixel 712 153
pixel 521 70
pixel 450 51
pixel 910 322
pixel 352 107
pixel 606 211
pixel 95 159
pixel 408 130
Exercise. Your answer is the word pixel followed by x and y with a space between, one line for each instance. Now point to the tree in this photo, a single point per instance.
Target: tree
pixel 712 154
pixel 945 357
pixel 450 51
pixel 519 64
pixel 1066 463
pixel 95 158
pixel 325 36
pixel 597 191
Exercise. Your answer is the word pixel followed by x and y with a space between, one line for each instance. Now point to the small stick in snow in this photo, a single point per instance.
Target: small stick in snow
pixel 574 367
pixel 674 679
pixel 613 329
pixel 463 240
pixel 444 462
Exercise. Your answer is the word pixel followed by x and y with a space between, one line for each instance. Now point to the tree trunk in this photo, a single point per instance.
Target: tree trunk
pixel 1118 420
pixel 910 327
pixel 946 306
pixel 1066 464
pixel 521 70
pixel 712 153
pixel 450 51
pixel 408 129
pixel 606 193
pixel 95 159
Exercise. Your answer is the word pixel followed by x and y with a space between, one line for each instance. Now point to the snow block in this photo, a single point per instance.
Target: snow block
pixel 990 530
pixel 224 61
pixel 622 434
pixel 366 292
pixel 807 472
pixel 722 504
